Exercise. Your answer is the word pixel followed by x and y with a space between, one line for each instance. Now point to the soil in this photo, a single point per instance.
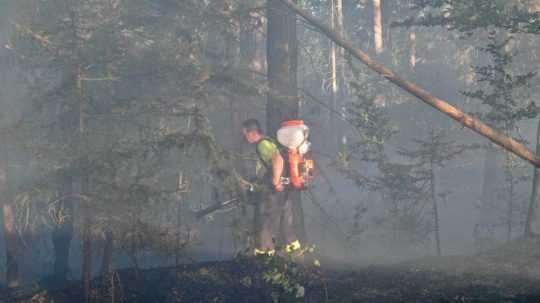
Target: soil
pixel 506 274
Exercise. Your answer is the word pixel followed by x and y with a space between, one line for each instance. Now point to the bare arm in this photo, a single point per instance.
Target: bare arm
pixel 277 170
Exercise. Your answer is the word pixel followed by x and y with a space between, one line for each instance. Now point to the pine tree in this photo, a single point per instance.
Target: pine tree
pixel 504 109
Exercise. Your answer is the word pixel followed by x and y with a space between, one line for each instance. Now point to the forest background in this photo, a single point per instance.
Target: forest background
pixel 119 120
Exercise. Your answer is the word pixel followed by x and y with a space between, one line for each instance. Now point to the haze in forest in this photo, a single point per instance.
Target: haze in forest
pixel 120 120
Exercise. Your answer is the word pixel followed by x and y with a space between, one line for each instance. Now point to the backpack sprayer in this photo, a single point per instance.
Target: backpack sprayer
pixel 299 166
pixel 293 134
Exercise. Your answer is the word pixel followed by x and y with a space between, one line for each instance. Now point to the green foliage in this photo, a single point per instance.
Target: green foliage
pixel 405 197
pixel 505 106
pixel 433 152
pixel 425 157
pixel 145 90
pixel 467 16
pixel 372 125
pixel 285 276
pixel 501 97
pixel 284 273
pixel 370 119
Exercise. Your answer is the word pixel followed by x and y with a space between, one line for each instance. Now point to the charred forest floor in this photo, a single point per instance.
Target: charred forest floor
pixel 505 274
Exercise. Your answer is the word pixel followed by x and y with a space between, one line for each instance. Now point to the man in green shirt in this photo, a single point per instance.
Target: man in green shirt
pixel 274 206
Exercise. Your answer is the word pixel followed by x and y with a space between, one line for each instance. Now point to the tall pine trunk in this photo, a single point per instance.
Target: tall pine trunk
pixel 283 102
pixel 336 71
pixel 377 26
pixel 510 195
pixel 412 50
pixel 84 182
pixel 435 208
pixel 248 39
pixel 532 226
pixel 281 55
pixel 10 234
pixel 6 197
pixel 333 71
pixel 62 233
pixel 106 261
pixel 490 184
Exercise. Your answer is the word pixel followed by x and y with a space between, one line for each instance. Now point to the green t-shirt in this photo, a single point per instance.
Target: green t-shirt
pixel 265 149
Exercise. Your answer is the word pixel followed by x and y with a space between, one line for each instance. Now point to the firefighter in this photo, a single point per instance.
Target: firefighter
pixel 274 212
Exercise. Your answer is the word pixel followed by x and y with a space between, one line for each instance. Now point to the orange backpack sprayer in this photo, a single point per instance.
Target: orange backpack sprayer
pixel 293 134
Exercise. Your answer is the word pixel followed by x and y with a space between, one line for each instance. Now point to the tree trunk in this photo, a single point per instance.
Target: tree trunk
pixel 490 176
pixel 490 184
pixel 333 79
pixel 337 74
pixel 510 198
pixel 86 237
pixel 281 58
pixel 435 209
pixel 84 183
pixel 532 226
pixel 252 62
pixel 283 102
pixel 340 25
pixel 248 40
pixel 10 234
pixel 63 230
pixel 248 62
pixel 179 188
pixel 412 51
pixel 377 26
pixel 106 261
pixel 439 104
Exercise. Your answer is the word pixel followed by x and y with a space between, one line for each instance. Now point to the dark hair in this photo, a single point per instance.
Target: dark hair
pixel 252 125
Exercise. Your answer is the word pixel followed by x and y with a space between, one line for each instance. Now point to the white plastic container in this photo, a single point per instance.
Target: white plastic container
pixel 292 134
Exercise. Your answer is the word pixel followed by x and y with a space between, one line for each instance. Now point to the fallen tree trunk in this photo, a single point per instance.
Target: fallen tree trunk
pixel 440 104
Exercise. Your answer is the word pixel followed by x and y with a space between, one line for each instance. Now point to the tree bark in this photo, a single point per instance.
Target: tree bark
pixel 10 234
pixel 248 39
pixel 412 54
pixel 510 198
pixel 249 62
pixel 283 101
pixel 435 207
pixel 252 61
pixel 85 208
pixel 532 226
pixel 341 72
pixel 281 58
pixel 490 176
pixel 62 233
pixel 84 177
pixel 377 26
pixel 106 261
pixel 439 104
pixel 333 75
pixel 337 73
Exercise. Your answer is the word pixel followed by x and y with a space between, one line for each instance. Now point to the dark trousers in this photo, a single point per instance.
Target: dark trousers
pixel 275 219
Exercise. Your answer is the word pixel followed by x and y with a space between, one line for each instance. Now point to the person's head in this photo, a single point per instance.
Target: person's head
pixel 251 129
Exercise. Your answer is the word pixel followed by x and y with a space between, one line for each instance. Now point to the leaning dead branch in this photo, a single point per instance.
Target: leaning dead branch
pixel 443 106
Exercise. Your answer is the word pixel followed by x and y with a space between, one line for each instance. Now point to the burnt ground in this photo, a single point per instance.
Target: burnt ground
pixel 503 275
